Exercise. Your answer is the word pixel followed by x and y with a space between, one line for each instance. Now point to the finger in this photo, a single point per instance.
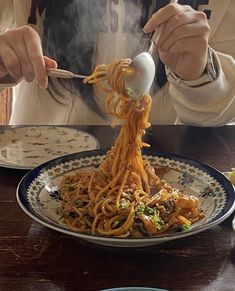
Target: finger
pixel 183 25
pixel 50 63
pixel 22 55
pixel 163 15
pixel 35 55
pixel 185 49
pixel 189 31
pixel 189 44
pixel 3 70
pixel 10 63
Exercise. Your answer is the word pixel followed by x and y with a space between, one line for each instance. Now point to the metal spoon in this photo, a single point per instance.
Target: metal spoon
pixel 141 81
pixel 144 66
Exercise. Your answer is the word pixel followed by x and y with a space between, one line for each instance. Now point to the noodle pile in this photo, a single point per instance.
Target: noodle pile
pixel 124 197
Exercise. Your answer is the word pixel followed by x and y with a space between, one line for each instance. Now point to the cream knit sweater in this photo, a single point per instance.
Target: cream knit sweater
pixel 177 102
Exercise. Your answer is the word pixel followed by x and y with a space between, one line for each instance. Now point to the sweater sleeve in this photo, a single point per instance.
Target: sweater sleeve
pixel 212 104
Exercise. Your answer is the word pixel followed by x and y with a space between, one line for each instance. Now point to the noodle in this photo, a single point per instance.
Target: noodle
pixel 124 197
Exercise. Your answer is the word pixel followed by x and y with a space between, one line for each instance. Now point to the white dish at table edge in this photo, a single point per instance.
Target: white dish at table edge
pixel 25 147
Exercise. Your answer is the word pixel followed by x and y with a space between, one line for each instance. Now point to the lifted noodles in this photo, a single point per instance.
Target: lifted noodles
pixel 124 197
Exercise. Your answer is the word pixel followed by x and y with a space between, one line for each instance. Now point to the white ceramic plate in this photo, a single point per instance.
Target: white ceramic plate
pixel 215 192
pixel 27 147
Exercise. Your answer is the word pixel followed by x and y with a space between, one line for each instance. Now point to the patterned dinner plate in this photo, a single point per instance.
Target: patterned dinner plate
pixel 37 198
pixel 27 147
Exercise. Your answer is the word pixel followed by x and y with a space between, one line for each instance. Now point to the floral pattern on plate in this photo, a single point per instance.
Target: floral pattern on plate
pixel 27 147
pixel 215 192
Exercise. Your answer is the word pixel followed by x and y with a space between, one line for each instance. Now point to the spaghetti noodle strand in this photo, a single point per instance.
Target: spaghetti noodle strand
pixel 124 197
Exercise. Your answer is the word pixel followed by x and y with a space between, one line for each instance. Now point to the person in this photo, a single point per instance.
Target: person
pixel 195 80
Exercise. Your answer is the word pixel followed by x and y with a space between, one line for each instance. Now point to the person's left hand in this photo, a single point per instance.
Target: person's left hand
pixel 183 42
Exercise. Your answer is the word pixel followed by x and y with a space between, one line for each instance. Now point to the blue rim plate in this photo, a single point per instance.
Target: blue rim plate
pixel 214 190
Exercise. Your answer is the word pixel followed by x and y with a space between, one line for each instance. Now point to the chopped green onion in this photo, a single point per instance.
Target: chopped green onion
pixel 185 227
pixel 79 203
pixel 158 221
pixel 140 209
pixel 124 204
pixel 149 211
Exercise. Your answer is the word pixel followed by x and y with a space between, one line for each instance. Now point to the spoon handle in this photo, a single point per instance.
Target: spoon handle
pixel 154 39
pixel 157 34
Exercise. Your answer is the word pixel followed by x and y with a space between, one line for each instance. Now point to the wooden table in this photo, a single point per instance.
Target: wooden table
pixel 33 257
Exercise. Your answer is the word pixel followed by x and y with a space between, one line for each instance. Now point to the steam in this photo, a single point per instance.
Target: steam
pixel 104 30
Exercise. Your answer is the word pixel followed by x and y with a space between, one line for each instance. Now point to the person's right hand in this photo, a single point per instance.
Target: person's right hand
pixel 21 56
pixel 184 39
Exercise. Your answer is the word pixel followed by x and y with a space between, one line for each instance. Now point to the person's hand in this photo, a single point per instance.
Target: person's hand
pixel 21 56
pixel 183 42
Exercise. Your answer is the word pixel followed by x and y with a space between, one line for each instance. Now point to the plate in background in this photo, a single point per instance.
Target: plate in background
pixel 29 146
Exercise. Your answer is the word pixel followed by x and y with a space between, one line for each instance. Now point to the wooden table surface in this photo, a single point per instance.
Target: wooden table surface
pixel 33 257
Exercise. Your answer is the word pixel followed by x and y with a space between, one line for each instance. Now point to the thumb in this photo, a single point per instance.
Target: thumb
pixel 50 63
